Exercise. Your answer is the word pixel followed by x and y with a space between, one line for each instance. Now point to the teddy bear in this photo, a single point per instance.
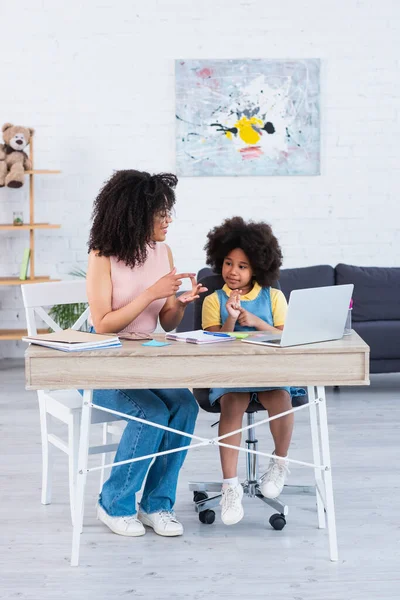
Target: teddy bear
pixel 13 160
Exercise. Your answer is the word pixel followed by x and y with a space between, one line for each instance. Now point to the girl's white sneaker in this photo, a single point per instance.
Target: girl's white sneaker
pixel 231 504
pixel 272 482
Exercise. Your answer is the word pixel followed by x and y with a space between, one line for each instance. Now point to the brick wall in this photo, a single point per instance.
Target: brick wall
pixel 96 80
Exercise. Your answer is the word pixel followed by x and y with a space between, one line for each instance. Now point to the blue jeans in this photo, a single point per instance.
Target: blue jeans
pixel 175 408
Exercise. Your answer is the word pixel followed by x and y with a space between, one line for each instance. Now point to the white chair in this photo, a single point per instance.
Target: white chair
pixel 63 405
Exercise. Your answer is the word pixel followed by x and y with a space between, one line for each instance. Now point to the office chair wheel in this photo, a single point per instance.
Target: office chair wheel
pixel 277 521
pixel 207 517
pixel 199 496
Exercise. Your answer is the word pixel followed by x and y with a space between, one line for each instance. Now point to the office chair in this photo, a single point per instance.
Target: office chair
pixel 203 502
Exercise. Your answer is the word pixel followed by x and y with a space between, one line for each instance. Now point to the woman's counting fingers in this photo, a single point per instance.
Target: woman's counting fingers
pixel 197 287
pixel 169 284
pixel 184 275
pixel 192 294
pixel 177 278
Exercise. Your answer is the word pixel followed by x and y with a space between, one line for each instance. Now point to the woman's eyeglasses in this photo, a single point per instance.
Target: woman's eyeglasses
pixel 164 216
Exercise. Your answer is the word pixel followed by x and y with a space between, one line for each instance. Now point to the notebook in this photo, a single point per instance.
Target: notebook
pixel 70 340
pixel 200 337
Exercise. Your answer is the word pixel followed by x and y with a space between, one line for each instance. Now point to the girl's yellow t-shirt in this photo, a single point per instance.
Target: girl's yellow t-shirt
pixel 211 313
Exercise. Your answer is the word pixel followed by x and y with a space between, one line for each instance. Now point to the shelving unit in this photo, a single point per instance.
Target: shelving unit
pixel 17 334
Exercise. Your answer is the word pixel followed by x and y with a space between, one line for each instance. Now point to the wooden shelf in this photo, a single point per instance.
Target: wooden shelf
pixel 28 226
pixel 16 334
pixel 42 172
pixel 18 281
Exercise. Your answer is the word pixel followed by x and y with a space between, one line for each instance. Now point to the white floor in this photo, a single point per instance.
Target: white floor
pixel 249 560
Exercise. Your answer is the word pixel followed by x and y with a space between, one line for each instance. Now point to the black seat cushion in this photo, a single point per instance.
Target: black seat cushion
pixel 201 395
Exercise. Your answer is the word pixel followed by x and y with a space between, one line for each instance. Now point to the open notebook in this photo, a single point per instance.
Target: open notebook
pixel 70 340
pixel 200 337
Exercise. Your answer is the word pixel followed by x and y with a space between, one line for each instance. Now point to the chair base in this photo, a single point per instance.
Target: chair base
pixel 250 489
pixel 203 503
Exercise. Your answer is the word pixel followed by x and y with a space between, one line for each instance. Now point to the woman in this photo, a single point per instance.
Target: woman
pixel 131 283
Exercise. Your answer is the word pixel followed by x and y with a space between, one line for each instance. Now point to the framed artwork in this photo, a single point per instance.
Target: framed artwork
pixel 247 117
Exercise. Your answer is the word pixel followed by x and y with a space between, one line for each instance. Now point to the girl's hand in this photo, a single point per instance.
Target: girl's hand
pixel 169 284
pixel 233 304
pixel 247 319
pixel 189 296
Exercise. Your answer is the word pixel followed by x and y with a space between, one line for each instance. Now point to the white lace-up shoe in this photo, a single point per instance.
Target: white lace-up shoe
pixel 231 504
pixel 163 522
pixel 272 482
pixel 129 526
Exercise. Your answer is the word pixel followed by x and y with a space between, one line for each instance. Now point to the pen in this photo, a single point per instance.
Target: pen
pixel 217 333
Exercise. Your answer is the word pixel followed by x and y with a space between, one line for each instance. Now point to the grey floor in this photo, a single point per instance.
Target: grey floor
pixel 249 560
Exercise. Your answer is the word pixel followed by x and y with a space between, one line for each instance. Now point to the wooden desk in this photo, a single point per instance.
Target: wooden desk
pixel 340 362
pixel 182 365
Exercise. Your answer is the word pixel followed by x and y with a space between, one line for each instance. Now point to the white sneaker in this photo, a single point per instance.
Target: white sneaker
pixel 272 482
pixel 129 526
pixel 163 522
pixel 231 504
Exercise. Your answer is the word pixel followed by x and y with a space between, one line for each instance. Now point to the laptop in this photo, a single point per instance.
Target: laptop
pixel 313 315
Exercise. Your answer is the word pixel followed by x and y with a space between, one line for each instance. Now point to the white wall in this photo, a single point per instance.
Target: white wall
pixel 96 80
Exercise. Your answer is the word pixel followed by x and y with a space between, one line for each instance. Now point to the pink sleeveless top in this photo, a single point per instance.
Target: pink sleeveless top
pixel 128 283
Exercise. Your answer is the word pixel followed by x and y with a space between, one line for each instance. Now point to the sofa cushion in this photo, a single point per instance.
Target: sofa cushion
pixel 306 277
pixel 384 365
pixel 376 291
pixel 188 317
pixel 382 337
pixel 204 272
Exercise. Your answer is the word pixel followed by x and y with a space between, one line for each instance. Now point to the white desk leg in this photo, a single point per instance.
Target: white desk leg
pixel 81 477
pixel 326 458
pixel 319 484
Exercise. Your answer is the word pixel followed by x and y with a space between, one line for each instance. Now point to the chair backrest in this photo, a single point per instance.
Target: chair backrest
pixel 212 283
pixel 36 296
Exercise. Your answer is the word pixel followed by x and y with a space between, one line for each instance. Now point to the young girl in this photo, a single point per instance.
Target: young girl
pixel 131 284
pixel 249 257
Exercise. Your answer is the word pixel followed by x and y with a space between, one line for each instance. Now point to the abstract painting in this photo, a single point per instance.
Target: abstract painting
pixel 247 117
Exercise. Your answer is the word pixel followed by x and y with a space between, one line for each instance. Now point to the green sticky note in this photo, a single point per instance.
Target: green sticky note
pixel 238 335
pixel 156 343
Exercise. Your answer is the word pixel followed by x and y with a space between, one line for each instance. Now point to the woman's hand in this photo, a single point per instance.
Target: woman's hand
pixel 169 284
pixel 189 296
pixel 233 304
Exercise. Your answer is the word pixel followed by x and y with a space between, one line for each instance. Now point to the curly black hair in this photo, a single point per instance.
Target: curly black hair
pixel 124 210
pixel 255 239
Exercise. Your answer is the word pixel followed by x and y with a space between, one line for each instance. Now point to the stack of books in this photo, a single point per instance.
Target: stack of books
pixel 70 340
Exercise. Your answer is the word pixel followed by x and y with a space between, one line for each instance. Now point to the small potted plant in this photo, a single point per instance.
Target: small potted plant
pixel 67 314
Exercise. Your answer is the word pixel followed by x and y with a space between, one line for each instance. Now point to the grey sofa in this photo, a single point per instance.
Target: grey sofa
pixel 376 309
